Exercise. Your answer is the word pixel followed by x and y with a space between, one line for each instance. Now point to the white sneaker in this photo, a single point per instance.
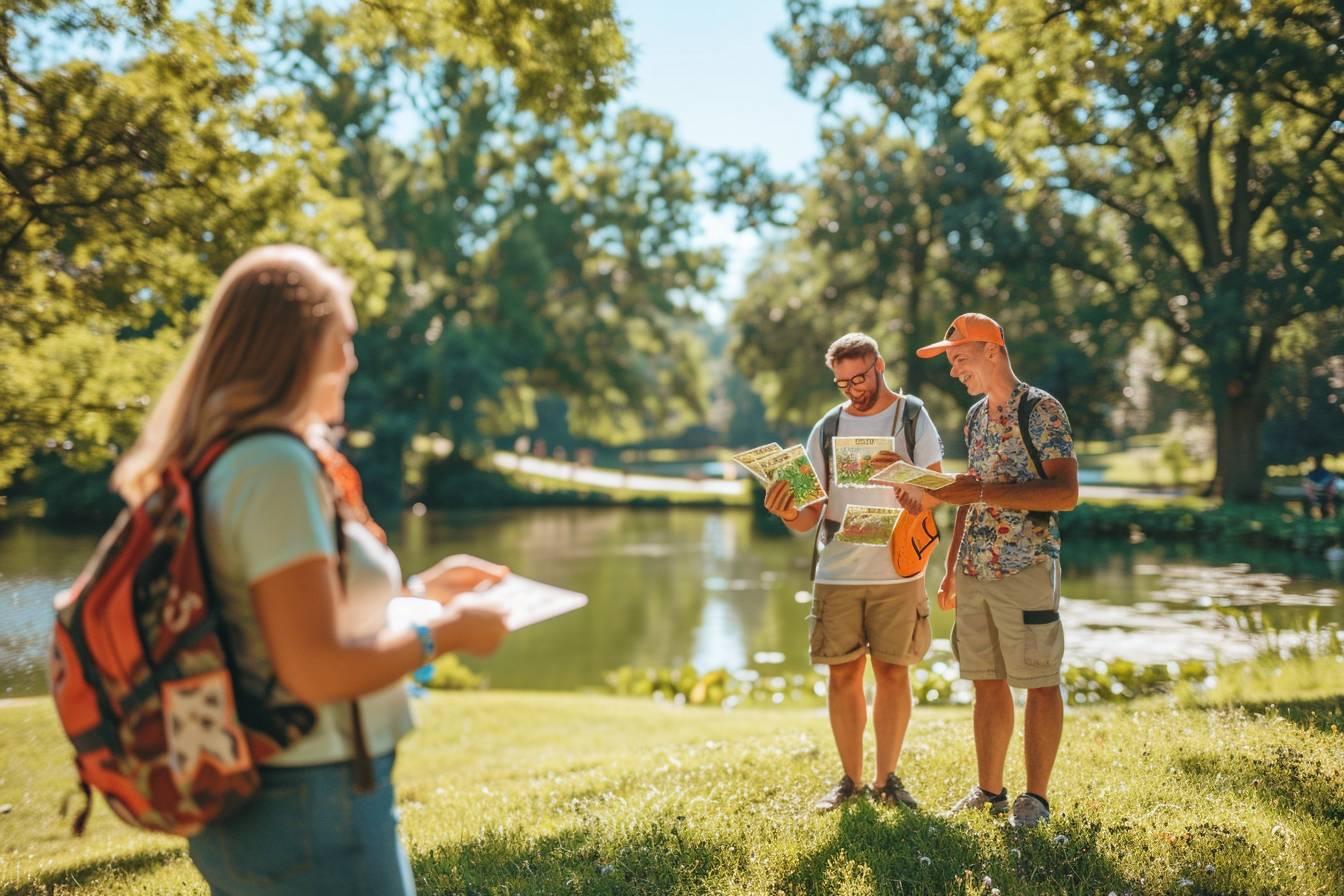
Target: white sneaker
pixel 1029 811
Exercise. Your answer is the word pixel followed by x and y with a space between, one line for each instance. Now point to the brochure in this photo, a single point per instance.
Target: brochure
pixel 792 466
pixel 751 460
pixel 526 602
pixel 852 458
pixel 902 473
pixel 870 526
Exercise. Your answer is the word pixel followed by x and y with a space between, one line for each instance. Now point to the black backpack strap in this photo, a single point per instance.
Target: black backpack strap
pixel 1025 407
pixel 826 529
pixel 910 418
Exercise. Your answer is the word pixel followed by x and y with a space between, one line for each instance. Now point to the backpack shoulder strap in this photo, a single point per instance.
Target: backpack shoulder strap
pixel 1024 410
pixel 213 452
pixel 1025 407
pixel 910 418
pixel 830 425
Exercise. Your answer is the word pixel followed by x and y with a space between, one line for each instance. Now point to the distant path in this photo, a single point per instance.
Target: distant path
pixel 594 477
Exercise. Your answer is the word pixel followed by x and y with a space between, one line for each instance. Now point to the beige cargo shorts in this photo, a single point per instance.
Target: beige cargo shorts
pixel 890 621
pixel 1009 628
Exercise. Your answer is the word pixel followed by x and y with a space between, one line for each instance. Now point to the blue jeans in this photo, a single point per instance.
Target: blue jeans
pixel 307 831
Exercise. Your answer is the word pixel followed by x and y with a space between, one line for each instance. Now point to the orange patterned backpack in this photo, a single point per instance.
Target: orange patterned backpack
pixel 142 674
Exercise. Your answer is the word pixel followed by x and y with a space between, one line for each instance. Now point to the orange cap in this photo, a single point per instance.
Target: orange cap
pixel 966 328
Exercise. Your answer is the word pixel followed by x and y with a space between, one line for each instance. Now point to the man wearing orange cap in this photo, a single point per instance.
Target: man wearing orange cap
pixel 1003 562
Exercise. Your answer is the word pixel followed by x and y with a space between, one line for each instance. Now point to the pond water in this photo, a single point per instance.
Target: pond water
pixel 705 587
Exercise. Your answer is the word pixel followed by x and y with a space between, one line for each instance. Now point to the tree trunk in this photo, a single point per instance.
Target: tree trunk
pixel 1238 414
pixel 914 365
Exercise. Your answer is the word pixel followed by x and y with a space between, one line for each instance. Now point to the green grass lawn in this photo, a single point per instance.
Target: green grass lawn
pixel 513 793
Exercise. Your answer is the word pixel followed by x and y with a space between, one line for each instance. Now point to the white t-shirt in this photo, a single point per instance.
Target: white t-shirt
pixel 265 505
pixel 856 564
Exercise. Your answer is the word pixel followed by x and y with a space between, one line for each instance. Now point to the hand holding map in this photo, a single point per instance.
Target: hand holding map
pixel 792 466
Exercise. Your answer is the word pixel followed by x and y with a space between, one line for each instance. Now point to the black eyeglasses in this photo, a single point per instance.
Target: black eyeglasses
pixel 858 379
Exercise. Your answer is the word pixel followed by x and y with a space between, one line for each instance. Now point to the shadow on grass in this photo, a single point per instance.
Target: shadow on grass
pixel 870 849
pixel 919 852
pixel 654 858
pixel 88 874
pixel 1324 714
pixel 1292 780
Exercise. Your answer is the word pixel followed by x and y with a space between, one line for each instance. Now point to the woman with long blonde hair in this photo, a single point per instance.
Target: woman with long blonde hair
pixel 303 579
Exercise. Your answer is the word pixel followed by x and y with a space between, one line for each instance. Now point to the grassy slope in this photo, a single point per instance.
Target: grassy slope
pixel 540 793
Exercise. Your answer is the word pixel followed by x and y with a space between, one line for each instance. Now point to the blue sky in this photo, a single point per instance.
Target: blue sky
pixel 709 65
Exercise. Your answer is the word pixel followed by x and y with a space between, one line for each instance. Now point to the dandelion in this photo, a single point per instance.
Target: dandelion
pixel 987 881
pixel 1208 869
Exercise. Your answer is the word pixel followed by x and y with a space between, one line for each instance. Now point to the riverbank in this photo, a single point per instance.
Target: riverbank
pixel 1239 791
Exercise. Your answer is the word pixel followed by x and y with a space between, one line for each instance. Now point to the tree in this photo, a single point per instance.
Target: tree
pixel 143 152
pixel 534 256
pixel 1212 138
pixel 126 185
pixel 909 222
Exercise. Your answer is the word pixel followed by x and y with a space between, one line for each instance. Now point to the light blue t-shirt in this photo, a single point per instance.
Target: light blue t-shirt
pixel 266 506
pixel 857 564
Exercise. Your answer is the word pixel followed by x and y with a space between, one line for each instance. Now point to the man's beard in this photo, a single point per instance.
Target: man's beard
pixel 865 401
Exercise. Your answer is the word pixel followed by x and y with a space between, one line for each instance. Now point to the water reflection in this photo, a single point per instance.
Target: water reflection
pixel 676 586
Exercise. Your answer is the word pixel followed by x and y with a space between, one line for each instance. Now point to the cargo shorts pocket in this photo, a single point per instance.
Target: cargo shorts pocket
pixel 922 637
pixel 815 634
pixel 1043 641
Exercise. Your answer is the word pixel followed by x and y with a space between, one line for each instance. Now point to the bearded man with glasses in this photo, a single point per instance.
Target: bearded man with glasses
pixel 861 606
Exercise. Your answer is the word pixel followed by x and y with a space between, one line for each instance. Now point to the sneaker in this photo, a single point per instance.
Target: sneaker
pixel 979 798
pixel 838 794
pixel 1028 812
pixel 894 793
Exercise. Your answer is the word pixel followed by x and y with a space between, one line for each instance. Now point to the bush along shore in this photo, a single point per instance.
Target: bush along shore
pixel 935 682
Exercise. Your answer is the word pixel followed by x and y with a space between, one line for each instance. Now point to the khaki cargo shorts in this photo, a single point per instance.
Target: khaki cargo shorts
pixel 889 621
pixel 1009 628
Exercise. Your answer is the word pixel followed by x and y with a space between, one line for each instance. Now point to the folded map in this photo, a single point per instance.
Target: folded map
pixel 902 473
pixel 871 526
pixel 792 466
pixel 852 458
pixel 751 460
pixel 524 600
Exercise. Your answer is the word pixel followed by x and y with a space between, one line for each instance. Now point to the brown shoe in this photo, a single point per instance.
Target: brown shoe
pixel 838 794
pixel 893 793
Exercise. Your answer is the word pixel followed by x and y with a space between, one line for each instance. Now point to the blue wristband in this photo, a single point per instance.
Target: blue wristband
pixel 427 647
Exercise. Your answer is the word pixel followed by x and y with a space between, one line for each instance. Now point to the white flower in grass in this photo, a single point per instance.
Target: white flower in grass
pixel 1185 882
pixel 1060 838
pixel 925 860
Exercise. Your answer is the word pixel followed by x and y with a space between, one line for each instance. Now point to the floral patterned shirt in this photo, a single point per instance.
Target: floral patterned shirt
pixel 997 541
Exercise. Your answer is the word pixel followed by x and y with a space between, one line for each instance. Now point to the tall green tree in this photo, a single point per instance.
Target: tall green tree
pixel 137 160
pixel 1212 137
pixel 909 222
pixel 534 255
pixel 142 151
